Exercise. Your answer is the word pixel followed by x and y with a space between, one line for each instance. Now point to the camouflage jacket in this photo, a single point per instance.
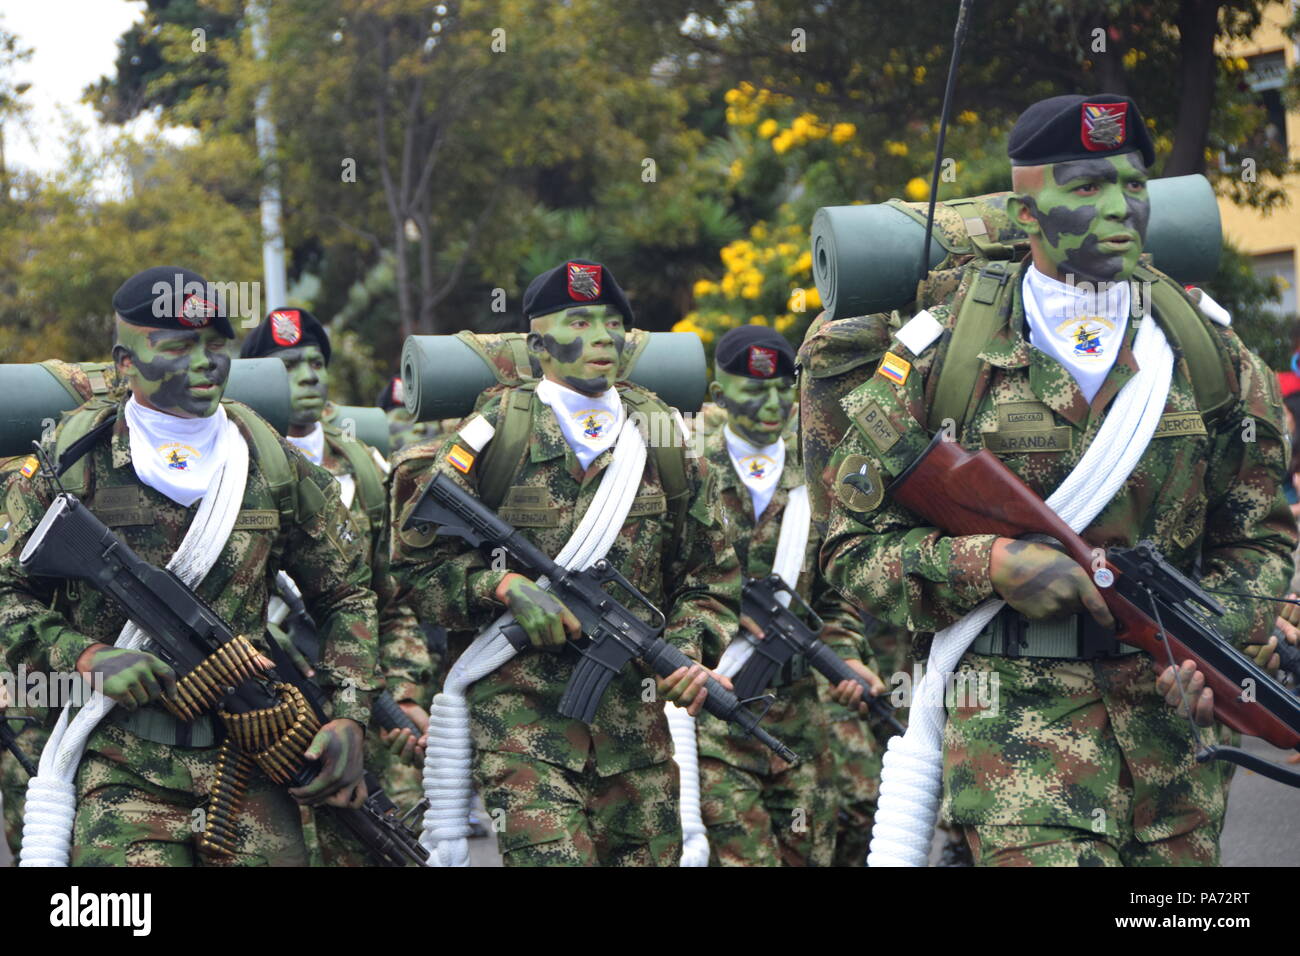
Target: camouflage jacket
pixel 1210 498
pixel 797 717
pixel 47 623
pixel 404 661
pixel 695 580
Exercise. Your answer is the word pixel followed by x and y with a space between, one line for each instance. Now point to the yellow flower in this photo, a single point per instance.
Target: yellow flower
pixel 782 142
pixel 916 189
pixel 747 88
pixel 736 172
pixel 918 75
pixel 822 88
pixel 842 132
pixel 729 285
pixel 758 231
pixel 758 320
pixel 802 264
pixel 732 96
pixel 705 287
pixel 767 128
pixel 784 321
pixel 813 298
pixel 1130 59
pixel 894 148
pixel 968 117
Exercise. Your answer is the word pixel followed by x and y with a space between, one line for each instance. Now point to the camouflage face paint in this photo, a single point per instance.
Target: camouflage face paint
pixel 309 382
pixel 579 347
pixel 1090 217
pixel 181 372
pixel 758 409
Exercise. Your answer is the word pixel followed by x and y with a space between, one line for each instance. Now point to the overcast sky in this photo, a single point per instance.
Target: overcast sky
pixel 74 44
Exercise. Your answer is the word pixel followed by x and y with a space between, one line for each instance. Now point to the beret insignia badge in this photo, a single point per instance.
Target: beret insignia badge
pixel 1103 125
pixel 196 311
pixel 286 327
pixel 584 282
pixel 761 362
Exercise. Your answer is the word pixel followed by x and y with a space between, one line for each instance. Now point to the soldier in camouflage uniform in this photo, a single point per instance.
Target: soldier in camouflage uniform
pixel 299 340
pixel 144 779
pixel 562 792
pixel 1081 762
pixel 760 810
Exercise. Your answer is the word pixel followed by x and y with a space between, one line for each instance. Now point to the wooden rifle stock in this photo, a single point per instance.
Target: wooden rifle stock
pixel 963 492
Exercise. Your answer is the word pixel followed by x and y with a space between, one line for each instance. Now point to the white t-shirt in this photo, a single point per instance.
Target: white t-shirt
pixel 1081 326
pixel 759 468
pixel 174 456
pixel 590 423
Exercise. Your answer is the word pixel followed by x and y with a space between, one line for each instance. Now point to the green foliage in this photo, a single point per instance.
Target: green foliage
pixel 1248 297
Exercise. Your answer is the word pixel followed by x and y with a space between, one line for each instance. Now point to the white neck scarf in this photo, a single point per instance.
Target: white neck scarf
pixel 312 444
pixel 1081 326
pixel 590 423
pixel 759 468
pixel 174 456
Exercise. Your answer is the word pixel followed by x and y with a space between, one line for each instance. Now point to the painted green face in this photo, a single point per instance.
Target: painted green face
pixel 1089 217
pixel 758 409
pixel 309 382
pixel 579 347
pixel 181 372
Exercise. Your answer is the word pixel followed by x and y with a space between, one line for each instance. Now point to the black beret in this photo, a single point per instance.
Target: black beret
pixel 170 297
pixel 1072 127
pixel 576 282
pixel 286 329
pixel 755 351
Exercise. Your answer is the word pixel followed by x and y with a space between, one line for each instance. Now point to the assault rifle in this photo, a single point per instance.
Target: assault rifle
pixel 9 740
pixel 70 542
pixel 786 634
pixel 612 634
pixel 1155 606
pixel 302 632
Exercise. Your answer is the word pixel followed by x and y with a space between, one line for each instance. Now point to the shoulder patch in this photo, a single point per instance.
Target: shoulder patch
pixel 894 368
pixel 919 332
pixel 858 485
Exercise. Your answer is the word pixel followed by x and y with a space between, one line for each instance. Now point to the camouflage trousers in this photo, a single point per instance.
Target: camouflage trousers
pixel 546 815
pixel 1077 763
pixel 13 783
pixel 857 779
pixel 778 819
pixel 141 803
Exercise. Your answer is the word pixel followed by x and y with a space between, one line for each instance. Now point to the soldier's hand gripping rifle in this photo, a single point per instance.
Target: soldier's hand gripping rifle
pixel 612 634
pixel 301 630
pixel 786 634
pixel 1155 607
pixel 270 714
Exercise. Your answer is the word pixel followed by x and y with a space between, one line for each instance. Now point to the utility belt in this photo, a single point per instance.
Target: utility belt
pixel 153 723
pixel 1074 638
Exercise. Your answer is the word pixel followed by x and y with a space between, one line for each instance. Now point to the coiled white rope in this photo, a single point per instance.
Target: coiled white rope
pixel 791 543
pixel 449 752
pixel 51 795
pixel 911 779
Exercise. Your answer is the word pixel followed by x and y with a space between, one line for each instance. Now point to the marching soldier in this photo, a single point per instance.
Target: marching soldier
pixel 759 809
pixel 299 340
pixel 1081 763
pixel 564 792
pixel 141 465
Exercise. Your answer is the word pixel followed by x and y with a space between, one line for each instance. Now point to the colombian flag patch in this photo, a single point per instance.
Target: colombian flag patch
pixel 462 459
pixel 30 466
pixel 894 368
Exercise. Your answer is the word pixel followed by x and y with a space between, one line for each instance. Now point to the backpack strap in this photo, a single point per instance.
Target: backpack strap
pixel 370 484
pixel 79 433
pixel 271 457
pixel 503 455
pixel 670 457
pixel 982 312
pixel 1214 383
